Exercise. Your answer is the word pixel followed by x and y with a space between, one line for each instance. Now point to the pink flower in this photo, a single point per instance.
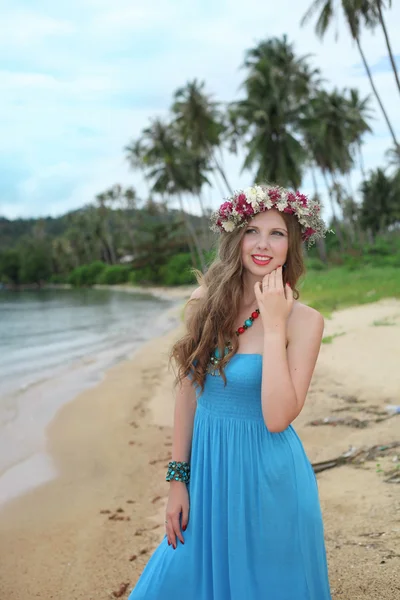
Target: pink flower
pixel 225 209
pixel 289 210
pixel 291 197
pixel 274 194
pixel 308 232
pixel 302 198
pixel 243 207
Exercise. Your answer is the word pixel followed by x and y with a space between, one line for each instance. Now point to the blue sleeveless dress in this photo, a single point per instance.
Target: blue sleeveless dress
pixel 255 528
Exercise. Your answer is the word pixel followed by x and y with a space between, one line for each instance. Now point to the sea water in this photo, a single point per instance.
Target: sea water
pixel 54 344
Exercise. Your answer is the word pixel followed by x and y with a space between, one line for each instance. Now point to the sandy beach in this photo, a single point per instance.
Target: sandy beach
pixel 92 529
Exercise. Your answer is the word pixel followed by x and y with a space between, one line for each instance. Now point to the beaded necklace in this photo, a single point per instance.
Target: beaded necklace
pixel 215 358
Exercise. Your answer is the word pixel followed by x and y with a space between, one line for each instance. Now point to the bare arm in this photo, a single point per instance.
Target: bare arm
pixel 178 499
pixel 185 408
pixel 287 374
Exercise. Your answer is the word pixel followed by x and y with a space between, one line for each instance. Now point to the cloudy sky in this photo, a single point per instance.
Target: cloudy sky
pixel 80 78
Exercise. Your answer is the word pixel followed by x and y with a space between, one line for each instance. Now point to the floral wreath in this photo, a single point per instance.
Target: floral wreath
pixel 240 208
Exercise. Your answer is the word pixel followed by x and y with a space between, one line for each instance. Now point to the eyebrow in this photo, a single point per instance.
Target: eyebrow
pixel 255 227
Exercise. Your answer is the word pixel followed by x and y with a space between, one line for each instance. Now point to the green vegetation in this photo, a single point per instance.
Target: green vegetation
pixel 340 287
pixel 383 323
pixel 329 338
pixel 287 122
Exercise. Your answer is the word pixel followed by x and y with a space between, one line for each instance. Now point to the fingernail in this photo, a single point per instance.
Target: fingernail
pixel 184 528
pixel 169 543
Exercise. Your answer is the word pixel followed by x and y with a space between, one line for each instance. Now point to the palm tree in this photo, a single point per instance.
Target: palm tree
pixel 277 87
pixel 170 169
pixel 103 210
pixel 359 114
pixel 328 129
pixel 372 12
pixel 320 243
pixel 354 11
pixel 393 155
pixel 200 123
pixel 379 207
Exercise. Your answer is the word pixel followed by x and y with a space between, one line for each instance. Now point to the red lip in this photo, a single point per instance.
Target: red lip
pixel 262 263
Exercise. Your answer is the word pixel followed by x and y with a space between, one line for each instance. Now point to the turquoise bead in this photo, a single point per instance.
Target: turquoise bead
pixel 248 322
pixel 216 353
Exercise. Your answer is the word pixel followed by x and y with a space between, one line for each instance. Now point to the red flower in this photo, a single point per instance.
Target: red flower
pixel 289 210
pixel 274 194
pixel 243 207
pixel 308 232
pixel 302 198
pixel 225 209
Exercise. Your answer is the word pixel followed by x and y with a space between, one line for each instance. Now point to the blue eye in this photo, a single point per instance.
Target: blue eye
pixel 279 232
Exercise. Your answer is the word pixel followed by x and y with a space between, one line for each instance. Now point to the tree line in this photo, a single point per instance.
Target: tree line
pixel 286 122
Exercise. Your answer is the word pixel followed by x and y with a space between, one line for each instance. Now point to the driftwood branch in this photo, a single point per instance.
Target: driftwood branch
pixel 358 456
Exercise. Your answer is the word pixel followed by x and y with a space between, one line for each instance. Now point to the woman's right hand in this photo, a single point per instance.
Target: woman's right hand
pixel 178 504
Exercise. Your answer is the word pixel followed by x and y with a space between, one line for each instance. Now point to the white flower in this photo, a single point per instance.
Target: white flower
pixel 302 210
pixel 228 225
pixel 284 196
pixel 251 197
pixel 234 212
pixel 281 205
pixel 261 194
pixel 268 203
pixel 250 193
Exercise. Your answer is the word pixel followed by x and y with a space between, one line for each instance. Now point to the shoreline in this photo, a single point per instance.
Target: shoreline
pixel 179 292
pixel 111 444
pixel 32 467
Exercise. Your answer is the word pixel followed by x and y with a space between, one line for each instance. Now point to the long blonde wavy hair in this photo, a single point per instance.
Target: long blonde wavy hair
pixel 211 320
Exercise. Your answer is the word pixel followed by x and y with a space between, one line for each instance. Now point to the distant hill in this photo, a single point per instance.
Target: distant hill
pixel 11 231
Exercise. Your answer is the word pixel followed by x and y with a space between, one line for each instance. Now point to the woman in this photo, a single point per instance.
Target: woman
pixel 243 519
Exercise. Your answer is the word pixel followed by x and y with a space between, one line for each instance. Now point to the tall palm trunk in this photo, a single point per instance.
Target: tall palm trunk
pixel 192 233
pixel 376 92
pixel 383 24
pixel 222 173
pixel 320 241
pixel 191 230
pixel 335 219
pixel 354 230
pixel 361 161
pixel 203 218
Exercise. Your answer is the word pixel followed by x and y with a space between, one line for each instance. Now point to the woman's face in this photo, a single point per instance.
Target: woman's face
pixel 266 237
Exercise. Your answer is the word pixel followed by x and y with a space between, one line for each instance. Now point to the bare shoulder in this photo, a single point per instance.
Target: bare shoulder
pixel 199 292
pixel 305 320
pixel 190 307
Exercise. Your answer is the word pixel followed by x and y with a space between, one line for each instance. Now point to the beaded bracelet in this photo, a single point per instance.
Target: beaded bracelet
pixel 178 471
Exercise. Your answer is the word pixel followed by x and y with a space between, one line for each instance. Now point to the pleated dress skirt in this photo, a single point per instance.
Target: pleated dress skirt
pixel 255 528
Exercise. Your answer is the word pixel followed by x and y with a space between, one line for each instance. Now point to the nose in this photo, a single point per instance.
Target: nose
pixel 263 243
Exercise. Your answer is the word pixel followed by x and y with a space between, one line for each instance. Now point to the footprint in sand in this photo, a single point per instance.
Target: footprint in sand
pixel 121 591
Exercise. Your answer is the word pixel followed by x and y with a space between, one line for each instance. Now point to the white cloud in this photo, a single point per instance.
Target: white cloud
pixel 86 78
pixel 27 27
